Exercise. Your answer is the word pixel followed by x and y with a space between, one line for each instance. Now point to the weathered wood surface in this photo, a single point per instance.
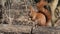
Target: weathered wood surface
pixel 29 29
pixel 15 28
pixel 46 30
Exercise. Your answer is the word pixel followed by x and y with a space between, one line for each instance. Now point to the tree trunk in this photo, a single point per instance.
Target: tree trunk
pixel 53 7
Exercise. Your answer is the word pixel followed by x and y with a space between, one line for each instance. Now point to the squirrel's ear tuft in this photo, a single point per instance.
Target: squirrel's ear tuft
pixel 0 6
pixel 37 1
pixel 47 7
pixel 49 1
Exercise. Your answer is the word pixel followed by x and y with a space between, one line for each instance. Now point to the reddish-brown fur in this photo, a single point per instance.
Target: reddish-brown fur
pixel 40 6
pixel 38 16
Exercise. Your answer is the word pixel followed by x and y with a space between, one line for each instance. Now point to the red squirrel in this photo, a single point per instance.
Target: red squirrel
pixel 43 16
pixel 38 16
pixel 40 6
